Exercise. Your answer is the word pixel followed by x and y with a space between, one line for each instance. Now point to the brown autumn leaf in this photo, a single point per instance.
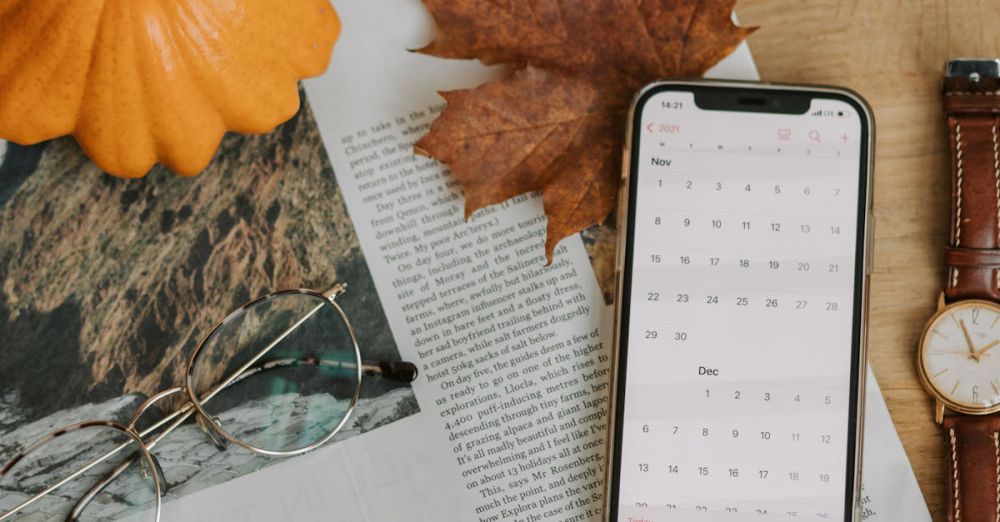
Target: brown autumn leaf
pixel 557 124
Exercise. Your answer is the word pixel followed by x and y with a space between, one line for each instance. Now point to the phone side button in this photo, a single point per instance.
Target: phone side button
pixel 870 244
pixel 626 165
pixel 623 211
pixel 618 285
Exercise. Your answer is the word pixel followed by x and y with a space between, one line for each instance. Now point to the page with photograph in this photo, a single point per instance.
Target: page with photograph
pixel 107 286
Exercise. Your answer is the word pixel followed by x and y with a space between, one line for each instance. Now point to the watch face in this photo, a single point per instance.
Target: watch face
pixel 960 356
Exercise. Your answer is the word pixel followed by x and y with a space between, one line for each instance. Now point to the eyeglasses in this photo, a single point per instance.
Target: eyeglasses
pixel 280 376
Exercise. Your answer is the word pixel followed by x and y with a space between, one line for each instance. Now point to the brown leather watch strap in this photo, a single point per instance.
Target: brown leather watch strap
pixel 972 104
pixel 973 468
pixel 973 259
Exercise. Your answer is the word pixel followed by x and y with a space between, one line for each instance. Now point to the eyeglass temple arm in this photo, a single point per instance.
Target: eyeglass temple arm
pixel 399 371
pixel 396 371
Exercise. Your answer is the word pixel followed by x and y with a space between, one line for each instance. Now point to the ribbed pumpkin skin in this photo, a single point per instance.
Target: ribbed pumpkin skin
pixel 144 81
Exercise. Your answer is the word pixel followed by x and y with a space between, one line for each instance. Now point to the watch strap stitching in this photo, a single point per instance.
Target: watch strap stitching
pixel 996 273
pixel 958 189
pixel 977 93
pixel 996 175
pixel 958 197
pixel 954 473
pixel 996 450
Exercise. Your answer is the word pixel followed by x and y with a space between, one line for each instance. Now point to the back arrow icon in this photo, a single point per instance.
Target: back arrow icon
pixel 649 127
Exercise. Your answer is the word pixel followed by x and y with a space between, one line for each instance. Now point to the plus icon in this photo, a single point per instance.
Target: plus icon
pixel 845 137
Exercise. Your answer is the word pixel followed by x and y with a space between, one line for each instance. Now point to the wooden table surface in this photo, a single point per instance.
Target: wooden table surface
pixel 893 53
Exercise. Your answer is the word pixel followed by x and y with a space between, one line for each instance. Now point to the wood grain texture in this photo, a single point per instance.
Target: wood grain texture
pixel 893 53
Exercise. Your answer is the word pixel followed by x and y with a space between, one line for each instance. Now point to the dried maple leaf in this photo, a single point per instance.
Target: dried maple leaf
pixel 557 124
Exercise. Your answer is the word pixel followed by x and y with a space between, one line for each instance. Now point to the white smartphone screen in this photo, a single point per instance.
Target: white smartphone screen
pixel 743 296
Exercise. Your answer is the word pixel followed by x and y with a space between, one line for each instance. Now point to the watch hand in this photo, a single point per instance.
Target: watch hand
pixel 984 349
pixel 968 340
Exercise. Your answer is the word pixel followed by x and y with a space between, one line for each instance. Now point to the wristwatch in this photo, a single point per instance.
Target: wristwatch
pixel 959 354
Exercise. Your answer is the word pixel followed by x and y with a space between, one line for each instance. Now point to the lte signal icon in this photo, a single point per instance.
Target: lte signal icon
pixel 817 112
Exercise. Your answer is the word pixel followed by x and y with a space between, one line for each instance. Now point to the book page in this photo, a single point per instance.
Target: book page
pixel 514 360
pixel 514 355
pixel 515 365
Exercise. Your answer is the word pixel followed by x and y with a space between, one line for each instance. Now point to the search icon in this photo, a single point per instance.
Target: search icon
pixel 814 136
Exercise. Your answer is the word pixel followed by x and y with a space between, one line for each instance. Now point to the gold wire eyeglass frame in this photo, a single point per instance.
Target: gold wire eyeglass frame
pixel 395 371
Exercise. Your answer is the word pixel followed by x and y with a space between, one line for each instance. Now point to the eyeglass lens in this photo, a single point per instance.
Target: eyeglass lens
pixel 296 372
pixel 129 496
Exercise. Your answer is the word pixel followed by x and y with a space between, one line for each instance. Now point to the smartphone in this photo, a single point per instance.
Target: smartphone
pixel 740 322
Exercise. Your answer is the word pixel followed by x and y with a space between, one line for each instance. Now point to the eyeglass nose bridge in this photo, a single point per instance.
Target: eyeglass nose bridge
pixel 151 401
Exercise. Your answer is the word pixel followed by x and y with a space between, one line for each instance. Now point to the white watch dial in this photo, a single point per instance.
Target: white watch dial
pixel 961 354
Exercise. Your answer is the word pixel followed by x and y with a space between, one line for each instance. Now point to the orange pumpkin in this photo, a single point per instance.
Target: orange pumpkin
pixel 144 81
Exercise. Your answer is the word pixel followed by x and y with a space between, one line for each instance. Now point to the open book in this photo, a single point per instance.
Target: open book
pixel 510 413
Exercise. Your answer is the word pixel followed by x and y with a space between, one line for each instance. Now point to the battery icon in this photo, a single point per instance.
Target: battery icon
pixel 840 114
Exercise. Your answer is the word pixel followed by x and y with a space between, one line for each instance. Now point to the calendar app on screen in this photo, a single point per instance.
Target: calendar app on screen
pixel 741 334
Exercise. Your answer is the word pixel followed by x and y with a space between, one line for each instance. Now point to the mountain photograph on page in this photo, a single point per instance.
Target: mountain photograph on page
pixel 108 285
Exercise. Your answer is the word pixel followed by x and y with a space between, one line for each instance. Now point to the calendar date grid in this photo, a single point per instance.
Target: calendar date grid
pixel 643 506
pixel 707 467
pixel 744 402
pixel 754 480
pixel 744 221
pixel 744 181
pixel 767 182
pixel 740 297
pixel 768 429
pixel 652 255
